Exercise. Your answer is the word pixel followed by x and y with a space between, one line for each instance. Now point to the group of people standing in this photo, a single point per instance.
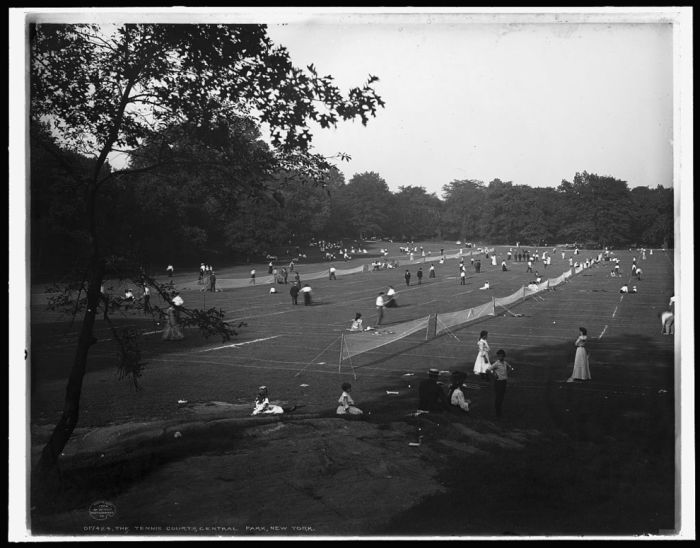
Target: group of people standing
pixel 207 278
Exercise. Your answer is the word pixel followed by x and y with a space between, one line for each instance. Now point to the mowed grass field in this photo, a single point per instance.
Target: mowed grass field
pixel 615 473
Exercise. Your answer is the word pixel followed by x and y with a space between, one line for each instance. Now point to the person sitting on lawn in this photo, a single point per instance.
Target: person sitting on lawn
pixel 457 391
pixel 430 394
pixel 262 404
pixel 129 298
pixel 346 406
pixel 356 323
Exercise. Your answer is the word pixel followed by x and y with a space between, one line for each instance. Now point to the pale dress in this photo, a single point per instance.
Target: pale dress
pixel 482 361
pixel 172 331
pixel 458 400
pixel 581 370
pixel 347 406
pixel 263 405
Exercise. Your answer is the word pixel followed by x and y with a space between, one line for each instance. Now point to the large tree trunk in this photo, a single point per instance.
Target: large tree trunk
pixel 71 407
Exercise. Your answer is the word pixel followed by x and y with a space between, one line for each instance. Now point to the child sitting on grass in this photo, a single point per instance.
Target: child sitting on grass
pixel 456 392
pixel 262 404
pixel 346 405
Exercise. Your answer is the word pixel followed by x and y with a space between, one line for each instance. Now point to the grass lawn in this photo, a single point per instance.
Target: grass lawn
pixel 595 457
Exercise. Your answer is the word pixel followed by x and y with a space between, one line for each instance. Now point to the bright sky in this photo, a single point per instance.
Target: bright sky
pixel 528 103
pixel 530 97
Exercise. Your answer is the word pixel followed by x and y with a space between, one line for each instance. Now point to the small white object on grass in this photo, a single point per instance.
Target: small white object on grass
pixel 177 435
pixel 303 385
pixel 391 392
pixel 181 401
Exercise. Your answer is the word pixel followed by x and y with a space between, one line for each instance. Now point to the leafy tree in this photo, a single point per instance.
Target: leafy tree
pixel 106 90
pixel 368 199
pixel 602 204
pixel 652 216
pixel 415 213
pixel 464 201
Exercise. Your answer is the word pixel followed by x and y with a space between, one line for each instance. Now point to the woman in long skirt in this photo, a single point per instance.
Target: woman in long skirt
pixel 581 370
pixel 172 332
pixel 482 361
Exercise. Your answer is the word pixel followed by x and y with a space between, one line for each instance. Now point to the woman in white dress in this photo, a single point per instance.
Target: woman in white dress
pixel 581 370
pixel 482 362
pixel 172 331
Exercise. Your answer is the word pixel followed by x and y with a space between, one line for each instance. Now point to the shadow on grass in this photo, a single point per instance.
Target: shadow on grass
pixel 605 464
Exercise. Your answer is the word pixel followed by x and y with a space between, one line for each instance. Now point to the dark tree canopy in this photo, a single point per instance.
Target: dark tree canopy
pixel 176 100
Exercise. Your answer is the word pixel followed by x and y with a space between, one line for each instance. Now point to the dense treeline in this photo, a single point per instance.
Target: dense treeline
pixel 233 214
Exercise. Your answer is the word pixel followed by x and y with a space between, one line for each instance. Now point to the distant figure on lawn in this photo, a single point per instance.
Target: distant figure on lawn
pixel 146 300
pixel 294 292
pixel 431 272
pixel 379 304
pixel 485 286
pixel 356 323
pixel 252 277
pixel 390 301
pixel 177 303
pixel 346 406
pixel 482 361
pixel 667 320
pixel 262 404
pixel 129 298
pixel 500 369
pixel 407 277
pixel 430 394
pixel 456 393
pixel 172 331
pixel 581 370
pixel 170 270
pixel 306 290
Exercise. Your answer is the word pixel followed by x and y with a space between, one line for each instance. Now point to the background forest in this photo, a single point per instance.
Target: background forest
pixel 187 215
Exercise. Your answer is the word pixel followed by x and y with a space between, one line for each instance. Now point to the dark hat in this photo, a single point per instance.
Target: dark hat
pixel 433 372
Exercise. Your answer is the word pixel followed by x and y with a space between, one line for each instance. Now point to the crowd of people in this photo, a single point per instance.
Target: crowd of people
pixel 431 395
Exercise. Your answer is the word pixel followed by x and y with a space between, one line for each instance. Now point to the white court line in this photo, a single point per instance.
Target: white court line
pixel 234 345
pixel 601 333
